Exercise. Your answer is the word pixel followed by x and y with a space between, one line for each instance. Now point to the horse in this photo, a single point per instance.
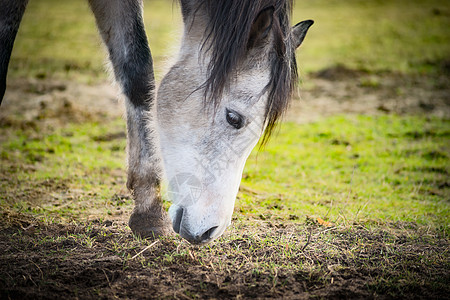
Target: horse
pixel 231 83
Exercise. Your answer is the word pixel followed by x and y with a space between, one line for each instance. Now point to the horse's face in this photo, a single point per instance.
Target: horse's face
pixel 204 147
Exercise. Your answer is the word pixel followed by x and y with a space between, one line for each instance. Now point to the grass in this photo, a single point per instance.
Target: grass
pixel 59 39
pixel 382 35
pixel 344 169
pixel 348 206
pixel 353 168
pixel 400 35
pixel 75 161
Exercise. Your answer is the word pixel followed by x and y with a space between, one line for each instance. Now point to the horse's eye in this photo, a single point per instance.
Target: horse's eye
pixel 234 119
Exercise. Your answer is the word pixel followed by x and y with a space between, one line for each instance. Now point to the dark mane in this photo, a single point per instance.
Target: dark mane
pixel 229 23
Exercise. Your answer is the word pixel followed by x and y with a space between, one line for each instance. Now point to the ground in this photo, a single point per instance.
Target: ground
pixel 103 260
pixel 349 199
pixel 96 256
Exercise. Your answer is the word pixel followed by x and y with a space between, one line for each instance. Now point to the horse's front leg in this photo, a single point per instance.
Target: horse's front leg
pixel 121 26
pixel 11 13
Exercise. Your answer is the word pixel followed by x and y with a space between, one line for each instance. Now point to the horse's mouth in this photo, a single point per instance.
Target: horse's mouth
pixel 194 237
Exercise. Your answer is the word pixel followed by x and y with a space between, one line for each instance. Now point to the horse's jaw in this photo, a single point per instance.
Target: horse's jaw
pixel 203 192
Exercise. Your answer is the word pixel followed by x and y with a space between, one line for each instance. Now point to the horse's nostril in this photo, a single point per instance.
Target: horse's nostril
pixel 200 238
pixel 207 235
pixel 193 238
pixel 177 220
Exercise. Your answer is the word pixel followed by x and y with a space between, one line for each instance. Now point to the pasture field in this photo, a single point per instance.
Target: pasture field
pixel 349 199
pixel 59 38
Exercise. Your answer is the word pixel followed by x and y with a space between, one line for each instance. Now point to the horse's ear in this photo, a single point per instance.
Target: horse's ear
pixel 261 27
pixel 299 32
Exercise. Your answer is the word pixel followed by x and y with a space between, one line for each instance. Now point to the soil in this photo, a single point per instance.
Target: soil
pixel 48 102
pixel 102 259
pixel 340 90
pixel 332 91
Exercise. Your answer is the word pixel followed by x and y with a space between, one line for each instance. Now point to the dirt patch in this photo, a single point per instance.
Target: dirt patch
pixel 103 260
pixel 335 90
pixel 53 103
pixel 41 191
pixel 340 90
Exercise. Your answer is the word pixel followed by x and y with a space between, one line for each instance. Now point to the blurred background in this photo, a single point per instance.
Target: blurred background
pixel 59 38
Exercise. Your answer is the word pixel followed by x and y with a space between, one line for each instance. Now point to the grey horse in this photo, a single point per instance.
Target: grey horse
pixel 231 82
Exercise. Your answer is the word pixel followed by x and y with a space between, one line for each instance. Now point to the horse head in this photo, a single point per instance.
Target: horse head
pixel 231 82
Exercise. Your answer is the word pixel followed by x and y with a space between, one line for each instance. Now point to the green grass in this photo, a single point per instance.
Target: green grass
pixel 344 169
pixel 388 35
pixel 353 168
pixel 74 167
pixel 59 38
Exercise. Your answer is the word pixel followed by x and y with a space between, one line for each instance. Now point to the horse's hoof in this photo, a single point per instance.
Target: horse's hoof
pixel 150 225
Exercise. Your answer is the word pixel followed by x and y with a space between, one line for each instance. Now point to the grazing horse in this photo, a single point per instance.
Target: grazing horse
pixel 230 84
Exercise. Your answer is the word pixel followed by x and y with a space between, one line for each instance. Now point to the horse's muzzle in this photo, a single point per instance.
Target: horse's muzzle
pixel 186 233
